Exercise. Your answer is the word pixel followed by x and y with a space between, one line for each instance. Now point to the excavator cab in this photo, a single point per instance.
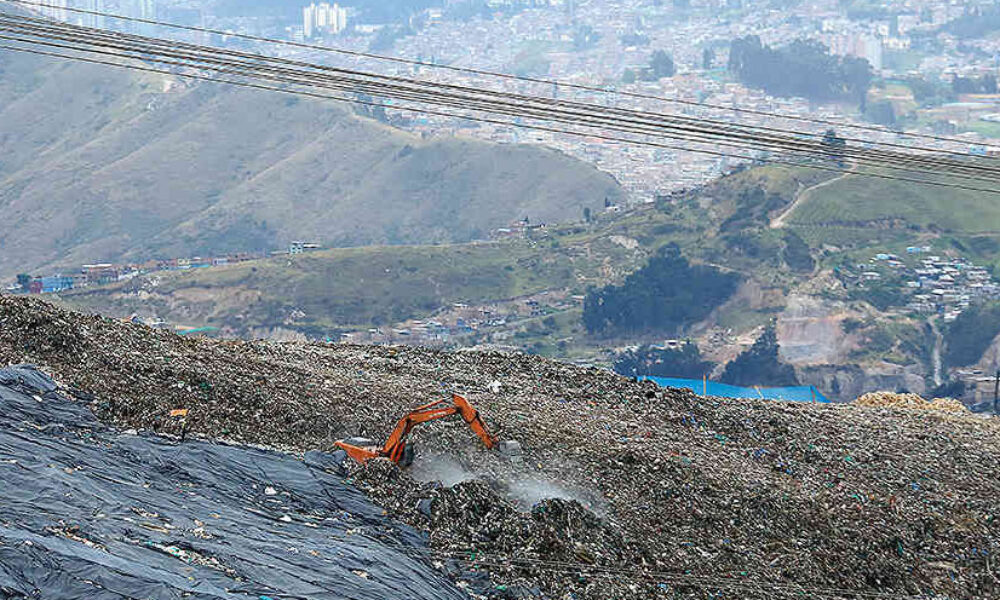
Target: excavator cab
pixel 398 451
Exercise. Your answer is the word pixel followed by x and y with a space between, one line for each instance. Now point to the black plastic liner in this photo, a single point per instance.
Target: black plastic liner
pixel 89 512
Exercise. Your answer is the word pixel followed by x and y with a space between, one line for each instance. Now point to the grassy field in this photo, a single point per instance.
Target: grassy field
pixel 870 202
pixel 987 128
pixel 323 293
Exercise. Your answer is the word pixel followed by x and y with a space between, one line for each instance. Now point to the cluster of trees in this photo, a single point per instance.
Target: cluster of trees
pixel 803 68
pixel 665 295
pixel 980 22
pixel 584 37
pixel 987 84
pixel 760 365
pixel 661 65
pixel 929 93
pixel 968 336
pixel 882 295
pixel 634 39
pixel 707 58
pixel 881 113
pixel 684 362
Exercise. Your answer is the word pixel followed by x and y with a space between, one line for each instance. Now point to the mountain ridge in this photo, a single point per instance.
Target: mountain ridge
pixel 138 166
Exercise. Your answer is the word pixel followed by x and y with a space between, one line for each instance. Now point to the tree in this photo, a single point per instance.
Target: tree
pixel 664 295
pixel 834 146
pixel 661 65
pixel 685 362
pixel 585 37
pixel 987 84
pixel 707 58
pixel 760 365
pixel 635 39
pixel 970 335
pixel 881 113
pixel 803 68
pixel 796 253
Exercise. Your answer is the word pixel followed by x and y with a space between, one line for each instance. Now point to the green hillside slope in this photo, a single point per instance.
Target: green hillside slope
pixel 323 292
pixel 101 164
pixel 872 202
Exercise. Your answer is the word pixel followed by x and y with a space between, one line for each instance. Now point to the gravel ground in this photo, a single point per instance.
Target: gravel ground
pixel 662 493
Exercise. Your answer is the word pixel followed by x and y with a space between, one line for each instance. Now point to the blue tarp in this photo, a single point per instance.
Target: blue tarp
pixel 802 393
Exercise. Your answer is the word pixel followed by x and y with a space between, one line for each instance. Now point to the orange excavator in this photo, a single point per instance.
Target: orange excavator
pixel 396 448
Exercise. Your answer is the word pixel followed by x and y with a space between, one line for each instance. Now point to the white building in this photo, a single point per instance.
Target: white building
pixel 323 18
pixel 55 9
pixel 88 19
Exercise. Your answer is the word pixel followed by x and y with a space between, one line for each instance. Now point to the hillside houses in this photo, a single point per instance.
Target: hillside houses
pixel 929 285
pixel 106 273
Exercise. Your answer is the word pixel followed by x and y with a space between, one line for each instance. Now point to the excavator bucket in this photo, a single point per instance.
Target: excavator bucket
pixel 360 449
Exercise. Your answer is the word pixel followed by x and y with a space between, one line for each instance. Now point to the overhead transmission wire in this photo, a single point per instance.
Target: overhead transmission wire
pixel 920 164
pixel 501 75
pixel 893 159
pixel 350 100
pixel 145 49
pixel 535 127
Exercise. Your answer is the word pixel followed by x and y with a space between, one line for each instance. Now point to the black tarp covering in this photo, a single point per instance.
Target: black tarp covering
pixel 90 512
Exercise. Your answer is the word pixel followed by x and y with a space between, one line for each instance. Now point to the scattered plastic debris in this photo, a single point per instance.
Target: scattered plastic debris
pixel 677 496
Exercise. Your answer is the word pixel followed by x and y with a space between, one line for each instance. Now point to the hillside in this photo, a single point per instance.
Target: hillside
pixel 663 492
pixel 335 290
pixel 525 293
pixel 855 201
pixel 342 289
pixel 102 164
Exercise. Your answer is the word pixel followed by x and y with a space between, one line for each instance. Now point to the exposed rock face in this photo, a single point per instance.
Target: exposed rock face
pixel 810 332
pixel 846 382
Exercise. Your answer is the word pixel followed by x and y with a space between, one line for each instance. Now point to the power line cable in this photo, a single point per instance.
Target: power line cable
pixel 893 157
pixel 488 73
pixel 591 135
pixel 967 169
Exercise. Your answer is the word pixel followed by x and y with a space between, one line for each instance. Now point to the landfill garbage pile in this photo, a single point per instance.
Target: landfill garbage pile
pixel 475 523
pixel 909 401
pixel 90 512
pixel 712 498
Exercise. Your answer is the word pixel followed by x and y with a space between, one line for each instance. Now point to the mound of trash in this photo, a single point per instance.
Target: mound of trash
pixel 668 494
pixel 909 401
pixel 474 523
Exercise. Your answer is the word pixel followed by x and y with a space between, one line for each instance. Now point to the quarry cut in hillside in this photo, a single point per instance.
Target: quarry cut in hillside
pixel 626 491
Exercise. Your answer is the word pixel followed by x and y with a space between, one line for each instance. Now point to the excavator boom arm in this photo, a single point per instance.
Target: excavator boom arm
pixel 397 439
pixel 396 444
pixel 471 416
